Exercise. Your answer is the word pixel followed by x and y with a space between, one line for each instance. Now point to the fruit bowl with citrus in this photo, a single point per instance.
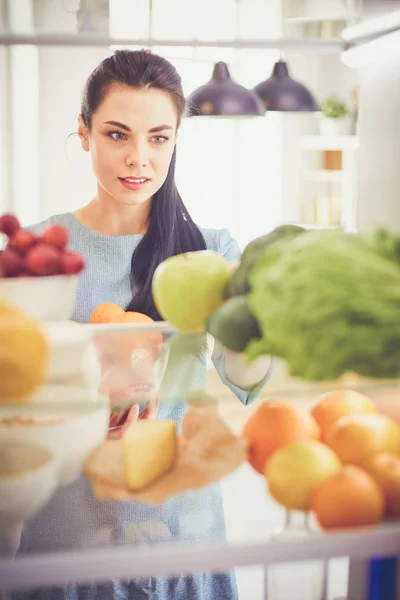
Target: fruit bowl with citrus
pixel 339 461
pixel 38 273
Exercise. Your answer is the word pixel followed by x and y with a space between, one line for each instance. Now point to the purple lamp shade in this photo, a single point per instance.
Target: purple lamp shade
pixel 282 93
pixel 222 97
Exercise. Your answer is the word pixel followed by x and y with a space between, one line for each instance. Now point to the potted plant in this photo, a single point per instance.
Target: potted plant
pixel 336 118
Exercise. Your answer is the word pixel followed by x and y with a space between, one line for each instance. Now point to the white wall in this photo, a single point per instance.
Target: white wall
pixel 229 173
pixel 66 180
pixel 4 123
pixel 379 125
pixel 379 155
pixel 65 172
pixel 20 118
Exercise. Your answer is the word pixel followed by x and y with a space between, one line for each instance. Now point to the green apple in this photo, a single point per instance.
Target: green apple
pixel 188 287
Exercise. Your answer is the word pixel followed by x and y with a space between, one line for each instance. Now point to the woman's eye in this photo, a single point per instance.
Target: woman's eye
pixel 117 135
pixel 159 139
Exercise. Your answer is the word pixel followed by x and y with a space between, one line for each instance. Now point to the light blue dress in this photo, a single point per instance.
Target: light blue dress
pixel 74 518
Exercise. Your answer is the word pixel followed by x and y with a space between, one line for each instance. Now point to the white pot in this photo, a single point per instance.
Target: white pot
pixel 334 127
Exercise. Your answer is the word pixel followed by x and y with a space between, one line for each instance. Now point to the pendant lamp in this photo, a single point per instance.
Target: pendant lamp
pixel 222 97
pixel 282 93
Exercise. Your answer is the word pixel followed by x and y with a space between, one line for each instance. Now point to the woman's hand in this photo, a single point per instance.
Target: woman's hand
pixel 152 408
pixel 120 421
pixel 245 376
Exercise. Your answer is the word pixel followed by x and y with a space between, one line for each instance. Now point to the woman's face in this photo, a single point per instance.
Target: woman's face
pixel 131 140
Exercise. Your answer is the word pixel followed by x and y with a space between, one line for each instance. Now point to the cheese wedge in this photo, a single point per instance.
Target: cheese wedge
pixel 150 449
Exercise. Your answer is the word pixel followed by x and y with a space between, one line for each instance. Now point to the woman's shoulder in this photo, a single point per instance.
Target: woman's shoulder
pixel 61 219
pixel 221 240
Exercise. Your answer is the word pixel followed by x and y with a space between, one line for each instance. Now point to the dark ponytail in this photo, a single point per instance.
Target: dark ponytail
pixel 170 230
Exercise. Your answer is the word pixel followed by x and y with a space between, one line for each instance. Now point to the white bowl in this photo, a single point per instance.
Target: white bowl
pixel 69 421
pixel 43 298
pixel 28 476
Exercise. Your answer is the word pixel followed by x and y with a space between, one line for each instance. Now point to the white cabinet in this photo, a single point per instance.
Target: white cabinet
pixel 328 181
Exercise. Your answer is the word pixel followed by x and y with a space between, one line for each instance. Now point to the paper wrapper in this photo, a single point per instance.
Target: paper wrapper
pixel 207 452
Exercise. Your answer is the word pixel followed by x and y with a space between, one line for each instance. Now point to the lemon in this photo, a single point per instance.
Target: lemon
pixel 24 355
pixel 294 472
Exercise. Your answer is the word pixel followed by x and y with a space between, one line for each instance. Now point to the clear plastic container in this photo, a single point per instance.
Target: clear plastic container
pixel 127 364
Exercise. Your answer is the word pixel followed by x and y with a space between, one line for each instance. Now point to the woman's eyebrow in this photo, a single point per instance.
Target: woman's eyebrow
pixel 152 130
pixel 159 128
pixel 117 124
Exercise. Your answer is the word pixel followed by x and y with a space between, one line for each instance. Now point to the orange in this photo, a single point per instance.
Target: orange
pixel 385 470
pixel 358 437
pixel 296 470
pixel 108 312
pixel 273 425
pixel 141 339
pixel 136 317
pixel 118 348
pixel 334 405
pixel 349 498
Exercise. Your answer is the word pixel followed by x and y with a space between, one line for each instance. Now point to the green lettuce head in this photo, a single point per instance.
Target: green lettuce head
pixel 328 302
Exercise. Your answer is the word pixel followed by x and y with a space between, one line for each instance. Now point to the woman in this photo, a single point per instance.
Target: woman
pixel 132 107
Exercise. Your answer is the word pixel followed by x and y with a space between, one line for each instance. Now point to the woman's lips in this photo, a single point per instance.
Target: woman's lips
pixel 134 184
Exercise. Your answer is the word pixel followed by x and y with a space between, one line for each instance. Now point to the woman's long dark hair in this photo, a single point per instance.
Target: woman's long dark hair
pixel 170 229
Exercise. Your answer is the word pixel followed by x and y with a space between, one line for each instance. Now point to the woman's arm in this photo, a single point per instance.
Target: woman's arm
pixel 245 381
pixel 243 375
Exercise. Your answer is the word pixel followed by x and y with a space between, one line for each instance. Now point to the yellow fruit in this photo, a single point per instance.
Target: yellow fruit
pixel 358 437
pixel 23 355
pixel 294 472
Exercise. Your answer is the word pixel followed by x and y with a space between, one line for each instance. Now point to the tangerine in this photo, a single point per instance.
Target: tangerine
pixel 349 498
pixel 273 425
